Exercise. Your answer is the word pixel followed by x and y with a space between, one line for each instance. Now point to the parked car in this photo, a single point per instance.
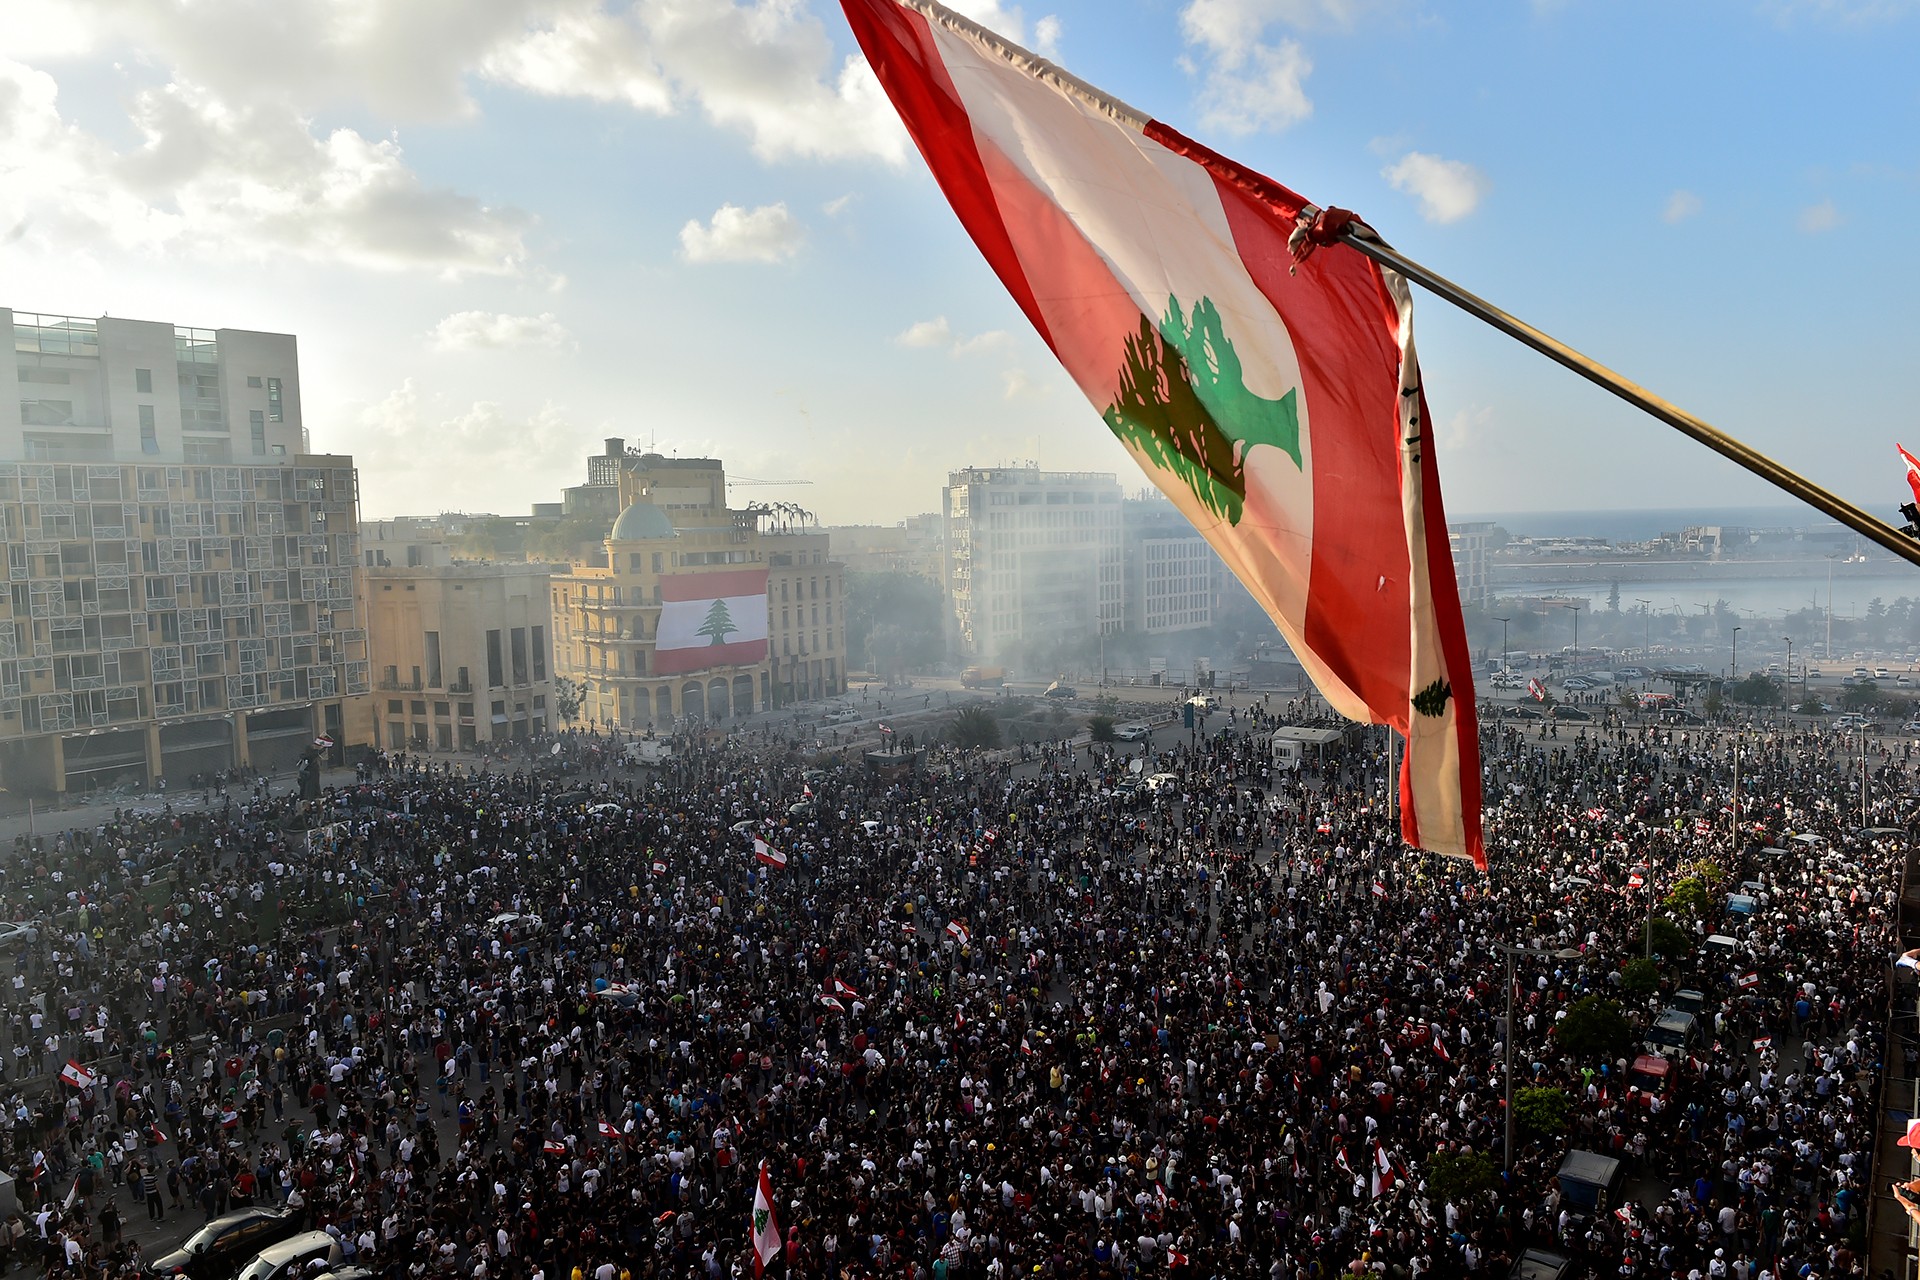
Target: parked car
pixel 1571 713
pixel 1131 733
pixel 520 924
pixel 291 1257
pixel 1061 691
pixel 215 1251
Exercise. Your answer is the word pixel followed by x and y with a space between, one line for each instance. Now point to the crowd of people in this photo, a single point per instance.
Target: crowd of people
pixel 979 1018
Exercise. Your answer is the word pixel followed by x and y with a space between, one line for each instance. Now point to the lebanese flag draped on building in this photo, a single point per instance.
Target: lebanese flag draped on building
pixel 1277 403
pixel 766 1229
pixel 716 619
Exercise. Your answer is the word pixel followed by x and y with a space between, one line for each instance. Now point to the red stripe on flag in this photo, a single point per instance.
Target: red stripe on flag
pixel 895 40
pixel 714 584
pixel 673 662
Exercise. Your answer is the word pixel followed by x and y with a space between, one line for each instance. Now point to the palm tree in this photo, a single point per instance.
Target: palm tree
pixel 974 727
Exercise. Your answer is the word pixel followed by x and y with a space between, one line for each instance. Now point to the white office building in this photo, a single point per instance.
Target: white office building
pixel 1031 556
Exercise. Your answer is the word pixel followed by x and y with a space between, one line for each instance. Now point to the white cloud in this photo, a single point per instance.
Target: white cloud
pixel 1246 82
pixel 210 178
pixel 767 69
pixel 766 234
pixel 1225 26
pixel 838 205
pixel 1841 12
pixel 1046 37
pixel 1016 385
pixel 586 53
pixel 487 330
pixel 1816 218
pixel 1448 190
pixel 1261 87
pixel 1465 428
pixel 407 440
pixel 1681 205
pixel 939 335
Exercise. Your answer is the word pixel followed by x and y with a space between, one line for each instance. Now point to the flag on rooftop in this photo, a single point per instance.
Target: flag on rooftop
pixel 1272 392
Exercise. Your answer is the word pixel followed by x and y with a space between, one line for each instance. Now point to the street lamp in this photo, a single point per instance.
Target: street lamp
pixel 1576 607
pixel 1789 640
pixel 1736 653
pixel 1507 1070
pixel 1646 610
pixel 1503 641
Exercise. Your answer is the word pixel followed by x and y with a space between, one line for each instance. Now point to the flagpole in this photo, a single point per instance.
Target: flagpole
pixel 1726 446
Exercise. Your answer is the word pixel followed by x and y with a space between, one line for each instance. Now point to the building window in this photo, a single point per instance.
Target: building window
pixel 273 400
pixel 257 424
pixel 433 659
pixel 494 665
pixel 518 640
pixel 143 381
pixel 253 379
pixel 539 654
pixel 149 435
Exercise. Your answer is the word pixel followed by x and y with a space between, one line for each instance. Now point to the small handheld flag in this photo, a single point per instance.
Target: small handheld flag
pixel 958 932
pixel 76 1075
pixel 767 854
pixel 766 1228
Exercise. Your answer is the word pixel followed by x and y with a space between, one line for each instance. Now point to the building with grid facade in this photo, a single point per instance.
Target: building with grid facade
pixel 1173 573
pixel 180 572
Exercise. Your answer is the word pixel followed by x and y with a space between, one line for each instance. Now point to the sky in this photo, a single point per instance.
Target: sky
pixel 505 229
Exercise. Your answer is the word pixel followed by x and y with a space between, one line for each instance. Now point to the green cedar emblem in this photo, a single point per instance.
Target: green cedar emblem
pixel 1184 403
pixel 759 1221
pixel 719 623
pixel 1432 700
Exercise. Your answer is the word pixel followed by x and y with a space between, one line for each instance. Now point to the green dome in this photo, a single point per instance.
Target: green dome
pixel 642 522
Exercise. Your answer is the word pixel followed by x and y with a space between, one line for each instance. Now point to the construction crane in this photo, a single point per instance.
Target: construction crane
pixel 748 482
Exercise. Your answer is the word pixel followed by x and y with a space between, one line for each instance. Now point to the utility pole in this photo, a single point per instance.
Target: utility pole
pixel 1736 653
pixel 1507 1068
pixel 1789 640
pixel 1646 610
pixel 1503 641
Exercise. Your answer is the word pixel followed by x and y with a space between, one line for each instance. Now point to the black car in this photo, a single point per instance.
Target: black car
pixel 1571 713
pixel 216 1250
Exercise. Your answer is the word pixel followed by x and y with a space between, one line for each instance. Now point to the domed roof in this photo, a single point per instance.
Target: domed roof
pixel 641 522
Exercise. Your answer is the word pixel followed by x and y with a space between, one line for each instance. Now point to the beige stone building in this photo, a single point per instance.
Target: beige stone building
pixel 703 612
pixel 180 595
pixel 460 648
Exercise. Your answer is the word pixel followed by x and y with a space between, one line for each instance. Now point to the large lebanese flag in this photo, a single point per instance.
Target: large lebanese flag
pixel 1281 412
pixel 711 620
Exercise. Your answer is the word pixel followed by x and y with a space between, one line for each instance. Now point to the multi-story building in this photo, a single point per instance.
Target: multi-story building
pixel 1031 556
pixel 1173 573
pixel 1470 543
pixel 458 647
pixel 702 612
pixel 180 595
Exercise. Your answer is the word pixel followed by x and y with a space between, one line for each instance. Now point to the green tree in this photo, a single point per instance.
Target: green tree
pixel 1613 597
pixel 491 538
pixel 974 727
pixel 1460 1175
pixel 1689 896
pixel 573 537
pixel 1640 976
pixel 1757 689
pixel 1864 696
pixel 1101 727
pixel 910 607
pixel 1593 1028
pixel 718 624
pixel 1714 704
pixel 1540 1110
pixel 566 700
pixel 1669 939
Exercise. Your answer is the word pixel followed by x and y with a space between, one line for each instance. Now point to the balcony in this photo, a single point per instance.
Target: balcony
pixel 401 686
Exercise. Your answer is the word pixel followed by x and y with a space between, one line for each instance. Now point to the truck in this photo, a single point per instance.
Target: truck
pixel 647 751
pixel 983 677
